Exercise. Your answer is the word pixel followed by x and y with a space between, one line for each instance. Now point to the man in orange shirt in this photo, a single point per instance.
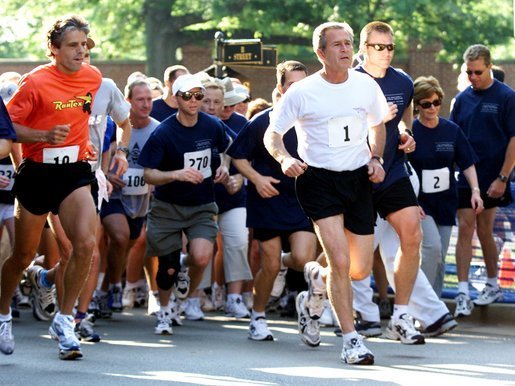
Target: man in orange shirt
pixel 50 113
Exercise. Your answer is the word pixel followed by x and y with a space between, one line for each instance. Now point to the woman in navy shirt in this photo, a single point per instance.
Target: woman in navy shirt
pixel 441 145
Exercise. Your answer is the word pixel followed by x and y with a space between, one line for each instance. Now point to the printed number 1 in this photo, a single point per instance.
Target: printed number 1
pixel 346 129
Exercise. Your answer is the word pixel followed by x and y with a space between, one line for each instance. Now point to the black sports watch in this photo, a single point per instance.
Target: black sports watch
pixel 409 132
pixel 502 178
pixel 380 159
pixel 124 149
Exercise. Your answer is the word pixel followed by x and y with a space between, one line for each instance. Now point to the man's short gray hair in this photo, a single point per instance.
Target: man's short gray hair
pixel 319 39
pixel 476 52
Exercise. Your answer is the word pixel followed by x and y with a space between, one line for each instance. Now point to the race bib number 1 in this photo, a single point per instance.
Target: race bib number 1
pixel 200 160
pixel 61 155
pixel 344 131
pixel 435 181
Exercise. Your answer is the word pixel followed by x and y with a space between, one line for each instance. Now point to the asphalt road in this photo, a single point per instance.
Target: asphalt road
pixel 216 351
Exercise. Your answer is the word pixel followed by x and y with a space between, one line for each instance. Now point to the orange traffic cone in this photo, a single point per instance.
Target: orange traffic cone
pixel 507 268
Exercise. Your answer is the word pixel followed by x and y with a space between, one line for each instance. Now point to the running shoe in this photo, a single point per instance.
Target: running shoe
pixel 444 324
pixel 84 329
pixel 403 329
pixel 22 300
pixel 174 311
pixel 43 299
pixel 163 324
pixel 153 305
pixel 366 328
pixel 488 296
pixel 103 306
pixel 236 308
pixel 258 330
pixel 129 298
pixel 316 291
pixel 309 329
pixel 141 296
pixel 385 309
pixel 192 309
pixel 93 307
pixel 116 299
pixel 328 318
pixel 355 352
pixel 182 287
pixel 62 329
pixel 218 296
pixel 464 305
pixel 6 337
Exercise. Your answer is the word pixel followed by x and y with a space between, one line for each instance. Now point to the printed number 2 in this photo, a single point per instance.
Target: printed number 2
pixel 437 180
pixel 346 129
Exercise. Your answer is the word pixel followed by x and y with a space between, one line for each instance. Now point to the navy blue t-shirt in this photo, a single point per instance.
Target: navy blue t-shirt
pixel 438 150
pixel 224 200
pixel 110 134
pixel 236 122
pixel 397 87
pixel 487 117
pixel 160 110
pixel 6 125
pixel 173 146
pixel 282 212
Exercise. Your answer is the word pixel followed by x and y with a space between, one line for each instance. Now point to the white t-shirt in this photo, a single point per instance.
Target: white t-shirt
pixel 331 120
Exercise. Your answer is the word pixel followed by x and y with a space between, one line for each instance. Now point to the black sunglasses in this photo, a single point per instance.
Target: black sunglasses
pixel 381 47
pixel 477 72
pixel 186 96
pixel 426 105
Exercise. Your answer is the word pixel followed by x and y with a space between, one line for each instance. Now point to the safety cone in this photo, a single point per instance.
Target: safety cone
pixel 507 268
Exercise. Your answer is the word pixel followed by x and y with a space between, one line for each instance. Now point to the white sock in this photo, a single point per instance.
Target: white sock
pixel 256 315
pixel 233 297
pixel 5 318
pixel 398 310
pixel 463 287
pixel 130 286
pixel 350 335
pixel 493 282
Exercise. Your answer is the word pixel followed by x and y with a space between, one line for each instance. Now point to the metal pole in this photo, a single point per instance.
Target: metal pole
pixel 219 39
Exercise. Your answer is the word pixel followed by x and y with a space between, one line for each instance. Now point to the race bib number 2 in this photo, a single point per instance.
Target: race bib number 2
pixel 435 181
pixel 61 155
pixel 200 160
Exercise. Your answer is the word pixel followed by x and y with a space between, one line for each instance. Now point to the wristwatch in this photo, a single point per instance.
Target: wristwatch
pixel 502 178
pixel 124 149
pixel 409 132
pixel 380 159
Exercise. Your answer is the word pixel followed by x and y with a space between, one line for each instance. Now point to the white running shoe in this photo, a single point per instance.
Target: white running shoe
pixel 44 303
pixel 63 330
pixel 218 296
pixel 488 295
pixel 236 308
pixel 355 352
pixel 309 329
pixel 153 305
pixel 316 291
pixel 403 329
pixel 6 337
pixel 328 318
pixel 163 324
pixel 464 305
pixel 192 309
pixel 258 330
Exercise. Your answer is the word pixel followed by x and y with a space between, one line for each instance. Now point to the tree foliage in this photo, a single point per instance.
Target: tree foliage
pixel 155 29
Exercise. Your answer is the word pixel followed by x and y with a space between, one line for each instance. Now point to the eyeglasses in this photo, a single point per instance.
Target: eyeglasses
pixel 381 47
pixel 186 96
pixel 477 72
pixel 426 105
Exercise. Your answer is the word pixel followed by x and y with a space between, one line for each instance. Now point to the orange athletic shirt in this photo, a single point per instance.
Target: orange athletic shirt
pixel 47 97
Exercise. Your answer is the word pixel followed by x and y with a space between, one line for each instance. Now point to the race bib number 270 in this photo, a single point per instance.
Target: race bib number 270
pixel 200 160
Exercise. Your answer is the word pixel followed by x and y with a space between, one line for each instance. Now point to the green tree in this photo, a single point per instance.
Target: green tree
pixel 156 29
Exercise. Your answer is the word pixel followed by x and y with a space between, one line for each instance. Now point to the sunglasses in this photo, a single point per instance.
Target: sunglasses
pixel 477 72
pixel 381 47
pixel 186 96
pixel 426 105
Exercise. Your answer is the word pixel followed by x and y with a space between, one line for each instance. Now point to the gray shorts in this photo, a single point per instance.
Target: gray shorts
pixel 166 222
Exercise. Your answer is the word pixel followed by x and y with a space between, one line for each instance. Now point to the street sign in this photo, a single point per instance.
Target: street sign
pixel 242 51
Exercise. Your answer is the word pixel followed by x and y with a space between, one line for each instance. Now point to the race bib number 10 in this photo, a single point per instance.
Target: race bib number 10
pixel 200 160
pixel 61 155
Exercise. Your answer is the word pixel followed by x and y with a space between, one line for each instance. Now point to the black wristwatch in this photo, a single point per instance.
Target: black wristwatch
pixel 380 159
pixel 124 149
pixel 502 178
pixel 409 132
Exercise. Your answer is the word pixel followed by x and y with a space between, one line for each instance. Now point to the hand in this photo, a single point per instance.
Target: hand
pixel 391 113
pixel 293 167
pixel 4 181
pixel 476 201
pixel 189 175
pixel 58 134
pixel 109 187
pixel 115 180
pixel 222 175
pixel 496 189
pixel 375 171
pixel 265 188
pixel 119 163
pixel 407 144
pixel 234 183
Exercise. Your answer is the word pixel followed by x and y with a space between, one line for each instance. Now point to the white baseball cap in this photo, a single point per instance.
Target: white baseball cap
pixel 185 83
